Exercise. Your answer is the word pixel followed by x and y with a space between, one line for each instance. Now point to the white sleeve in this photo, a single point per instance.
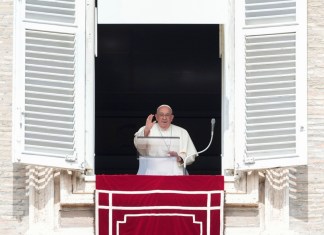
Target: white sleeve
pixel 188 150
pixel 140 145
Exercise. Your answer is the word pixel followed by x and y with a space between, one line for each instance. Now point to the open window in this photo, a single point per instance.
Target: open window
pixel 51 93
pixel 151 53
pixel 139 67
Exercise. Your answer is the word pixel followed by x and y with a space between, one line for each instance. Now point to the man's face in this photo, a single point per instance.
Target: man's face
pixel 164 117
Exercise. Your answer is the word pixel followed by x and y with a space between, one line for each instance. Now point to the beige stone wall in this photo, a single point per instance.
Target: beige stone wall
pixel 307 183
pixel 13 194
pixel 306 186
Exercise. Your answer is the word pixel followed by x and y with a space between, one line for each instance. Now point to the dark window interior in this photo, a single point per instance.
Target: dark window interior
pixel 140 67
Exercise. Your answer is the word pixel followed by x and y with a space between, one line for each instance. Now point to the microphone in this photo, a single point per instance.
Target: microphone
pixel 211 135
pixel 212 125
pixel 210 141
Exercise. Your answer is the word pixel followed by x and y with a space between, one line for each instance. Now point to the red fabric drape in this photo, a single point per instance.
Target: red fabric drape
pixel 140 205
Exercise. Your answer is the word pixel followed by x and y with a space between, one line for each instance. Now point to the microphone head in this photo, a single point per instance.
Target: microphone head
pixel 212 125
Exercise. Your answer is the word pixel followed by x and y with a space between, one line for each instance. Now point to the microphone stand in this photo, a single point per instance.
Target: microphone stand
pixel 210 141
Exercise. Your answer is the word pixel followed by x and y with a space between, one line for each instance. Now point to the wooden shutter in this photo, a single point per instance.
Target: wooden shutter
pixel 49 83
pixel 270 83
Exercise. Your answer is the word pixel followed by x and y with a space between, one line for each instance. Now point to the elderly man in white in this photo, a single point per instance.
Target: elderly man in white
pixel 163 147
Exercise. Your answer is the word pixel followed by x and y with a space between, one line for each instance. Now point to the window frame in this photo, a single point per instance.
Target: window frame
pixel 229 89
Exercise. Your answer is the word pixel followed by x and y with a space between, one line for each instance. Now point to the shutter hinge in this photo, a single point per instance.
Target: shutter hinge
pixel 21 118
pixel 249 160
pixel 71 158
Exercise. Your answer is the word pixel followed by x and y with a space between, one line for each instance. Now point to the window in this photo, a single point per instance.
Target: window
pixel 52 89
pixel 139 67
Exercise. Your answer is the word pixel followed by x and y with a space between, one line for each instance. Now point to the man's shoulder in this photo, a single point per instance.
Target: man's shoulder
pixel 178 128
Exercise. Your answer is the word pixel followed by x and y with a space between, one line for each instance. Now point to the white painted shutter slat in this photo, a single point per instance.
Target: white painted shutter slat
pixel 50 82
pixel 272 110
pixel 50 129
pixel 53 152
pixel 48 89
pixel 51 11
pixel 269 11
pixel 42 95
pixel 53 83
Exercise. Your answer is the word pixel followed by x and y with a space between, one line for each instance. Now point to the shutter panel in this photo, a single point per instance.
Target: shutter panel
pixel 49 100
pixel 271 56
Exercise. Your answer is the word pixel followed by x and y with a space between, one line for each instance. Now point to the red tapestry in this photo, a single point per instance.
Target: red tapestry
pixel 161 205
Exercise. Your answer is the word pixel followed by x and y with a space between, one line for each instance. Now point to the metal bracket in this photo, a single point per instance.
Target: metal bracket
pixel 249 160
pixel 71 158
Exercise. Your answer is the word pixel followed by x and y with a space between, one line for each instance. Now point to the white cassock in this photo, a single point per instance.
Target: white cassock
pixel 154 151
